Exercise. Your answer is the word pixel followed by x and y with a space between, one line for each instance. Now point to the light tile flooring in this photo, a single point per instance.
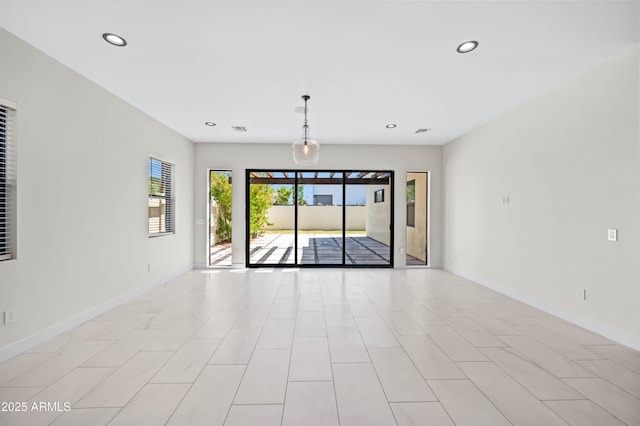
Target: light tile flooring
pixel 358 347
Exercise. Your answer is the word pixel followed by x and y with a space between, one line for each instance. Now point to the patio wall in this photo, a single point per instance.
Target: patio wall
pixel 317 217
pixel 378 215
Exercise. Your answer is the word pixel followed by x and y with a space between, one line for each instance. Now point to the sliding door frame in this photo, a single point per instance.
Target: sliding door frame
pixel 296 263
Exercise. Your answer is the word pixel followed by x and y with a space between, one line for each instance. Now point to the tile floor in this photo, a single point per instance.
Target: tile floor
pixel 358 347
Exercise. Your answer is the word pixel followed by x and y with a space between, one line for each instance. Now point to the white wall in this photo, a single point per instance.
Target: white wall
pixel 239 157
pixel 83 153
pixel 379 214
pixel 317 217
pixel 569 162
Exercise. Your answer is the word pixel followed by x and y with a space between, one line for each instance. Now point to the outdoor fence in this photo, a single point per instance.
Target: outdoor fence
pixel 318 217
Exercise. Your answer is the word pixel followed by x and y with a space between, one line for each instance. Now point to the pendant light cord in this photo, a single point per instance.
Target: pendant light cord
pixel 306 126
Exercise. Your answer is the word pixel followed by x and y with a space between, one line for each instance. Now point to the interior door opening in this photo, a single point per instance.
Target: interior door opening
pixel 319 218
pixel 220 208
pixel 417 218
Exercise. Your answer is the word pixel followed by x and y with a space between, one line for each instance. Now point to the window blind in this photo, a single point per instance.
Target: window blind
pixel 7 183
pixel 161 198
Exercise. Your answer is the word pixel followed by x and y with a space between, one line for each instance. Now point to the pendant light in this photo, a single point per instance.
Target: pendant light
pixel 305 150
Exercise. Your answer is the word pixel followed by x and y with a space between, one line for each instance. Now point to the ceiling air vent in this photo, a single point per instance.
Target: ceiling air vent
pixel 239 128
pixel 423 130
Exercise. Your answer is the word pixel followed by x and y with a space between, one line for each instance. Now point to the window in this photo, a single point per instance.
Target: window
pixel 411 203
pixel 378 196
pixel 7 181
pixel 161 198
pixel 323 200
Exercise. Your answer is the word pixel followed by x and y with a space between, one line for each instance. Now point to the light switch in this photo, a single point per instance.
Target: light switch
pixel 612 235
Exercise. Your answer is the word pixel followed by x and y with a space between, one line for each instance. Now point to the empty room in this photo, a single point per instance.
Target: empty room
pixel 312 212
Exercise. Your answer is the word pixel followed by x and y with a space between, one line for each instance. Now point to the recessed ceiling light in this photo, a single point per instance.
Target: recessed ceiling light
pixel 390 126
pixel 209 123
pixel 422 130
pixel 114 39
pixel 467 46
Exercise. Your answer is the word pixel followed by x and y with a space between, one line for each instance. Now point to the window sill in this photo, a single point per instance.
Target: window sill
pixel 164 234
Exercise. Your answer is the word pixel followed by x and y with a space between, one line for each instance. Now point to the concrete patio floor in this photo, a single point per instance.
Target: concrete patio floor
pixel 313 249
pixel 318 249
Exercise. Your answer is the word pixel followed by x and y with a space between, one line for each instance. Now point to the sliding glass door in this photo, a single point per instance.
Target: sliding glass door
pixel 271 218
pixel 319 230
pixel 374 192
pixel 319 218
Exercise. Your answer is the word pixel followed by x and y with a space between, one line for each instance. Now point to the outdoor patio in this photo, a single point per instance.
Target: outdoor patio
pixel 313 249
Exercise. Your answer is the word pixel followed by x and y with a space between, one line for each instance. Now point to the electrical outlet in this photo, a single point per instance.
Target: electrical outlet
pixel 9 316
pixel 148 267
pixel 612 235
pixel 582 294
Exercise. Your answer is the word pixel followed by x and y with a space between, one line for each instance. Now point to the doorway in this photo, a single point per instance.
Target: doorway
pixel 417 218
pixel 319 218
pixel 220 208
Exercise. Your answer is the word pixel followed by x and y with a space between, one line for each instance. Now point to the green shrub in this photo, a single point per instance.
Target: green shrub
pixel 283 196
pixel 261 197
pixel 221 193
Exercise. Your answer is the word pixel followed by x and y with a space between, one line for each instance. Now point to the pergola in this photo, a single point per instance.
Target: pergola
pixel 321 177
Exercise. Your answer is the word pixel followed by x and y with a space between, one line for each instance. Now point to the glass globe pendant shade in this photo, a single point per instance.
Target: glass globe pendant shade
pixel 305 151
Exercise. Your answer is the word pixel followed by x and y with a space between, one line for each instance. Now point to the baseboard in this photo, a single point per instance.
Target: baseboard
pixel 48 333
pixel 621 337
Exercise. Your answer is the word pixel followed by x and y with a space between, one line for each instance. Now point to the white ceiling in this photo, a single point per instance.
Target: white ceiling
pixel 364 63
